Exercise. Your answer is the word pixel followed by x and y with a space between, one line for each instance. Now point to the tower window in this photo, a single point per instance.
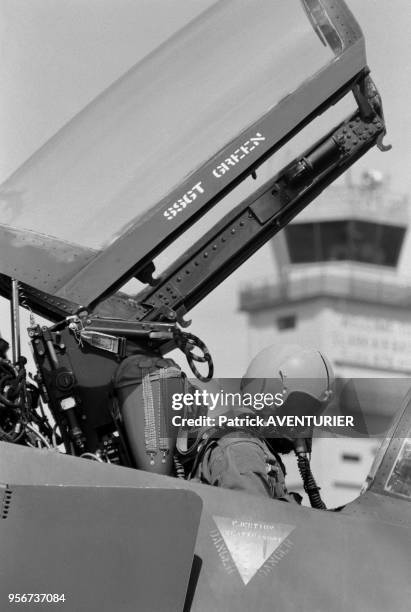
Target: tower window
pixel 351 457
pixel 350 240
pixel 286 322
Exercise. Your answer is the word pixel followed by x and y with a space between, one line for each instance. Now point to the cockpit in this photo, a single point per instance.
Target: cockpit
pixel 142 163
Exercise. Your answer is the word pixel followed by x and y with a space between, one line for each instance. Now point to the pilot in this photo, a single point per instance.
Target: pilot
pixel 249 460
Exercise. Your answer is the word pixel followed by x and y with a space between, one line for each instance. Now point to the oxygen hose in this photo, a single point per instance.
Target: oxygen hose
pixel 179 469
pixel 310 486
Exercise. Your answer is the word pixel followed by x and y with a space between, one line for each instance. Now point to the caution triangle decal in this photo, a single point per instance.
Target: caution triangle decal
pixel 251 543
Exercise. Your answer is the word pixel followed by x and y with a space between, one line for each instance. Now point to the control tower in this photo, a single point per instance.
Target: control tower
pixel 343 286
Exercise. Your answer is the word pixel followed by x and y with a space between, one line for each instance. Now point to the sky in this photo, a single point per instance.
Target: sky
pixel 57 56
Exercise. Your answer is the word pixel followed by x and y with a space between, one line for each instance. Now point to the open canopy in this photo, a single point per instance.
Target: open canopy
pixel 124 177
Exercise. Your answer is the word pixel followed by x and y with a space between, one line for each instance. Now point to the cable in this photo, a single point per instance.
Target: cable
pixel 39 435
pixel 310 486
pixel 54 436
pixel 91 456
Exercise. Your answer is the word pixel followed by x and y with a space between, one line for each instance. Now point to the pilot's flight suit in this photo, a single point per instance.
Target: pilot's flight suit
pixel 242 461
